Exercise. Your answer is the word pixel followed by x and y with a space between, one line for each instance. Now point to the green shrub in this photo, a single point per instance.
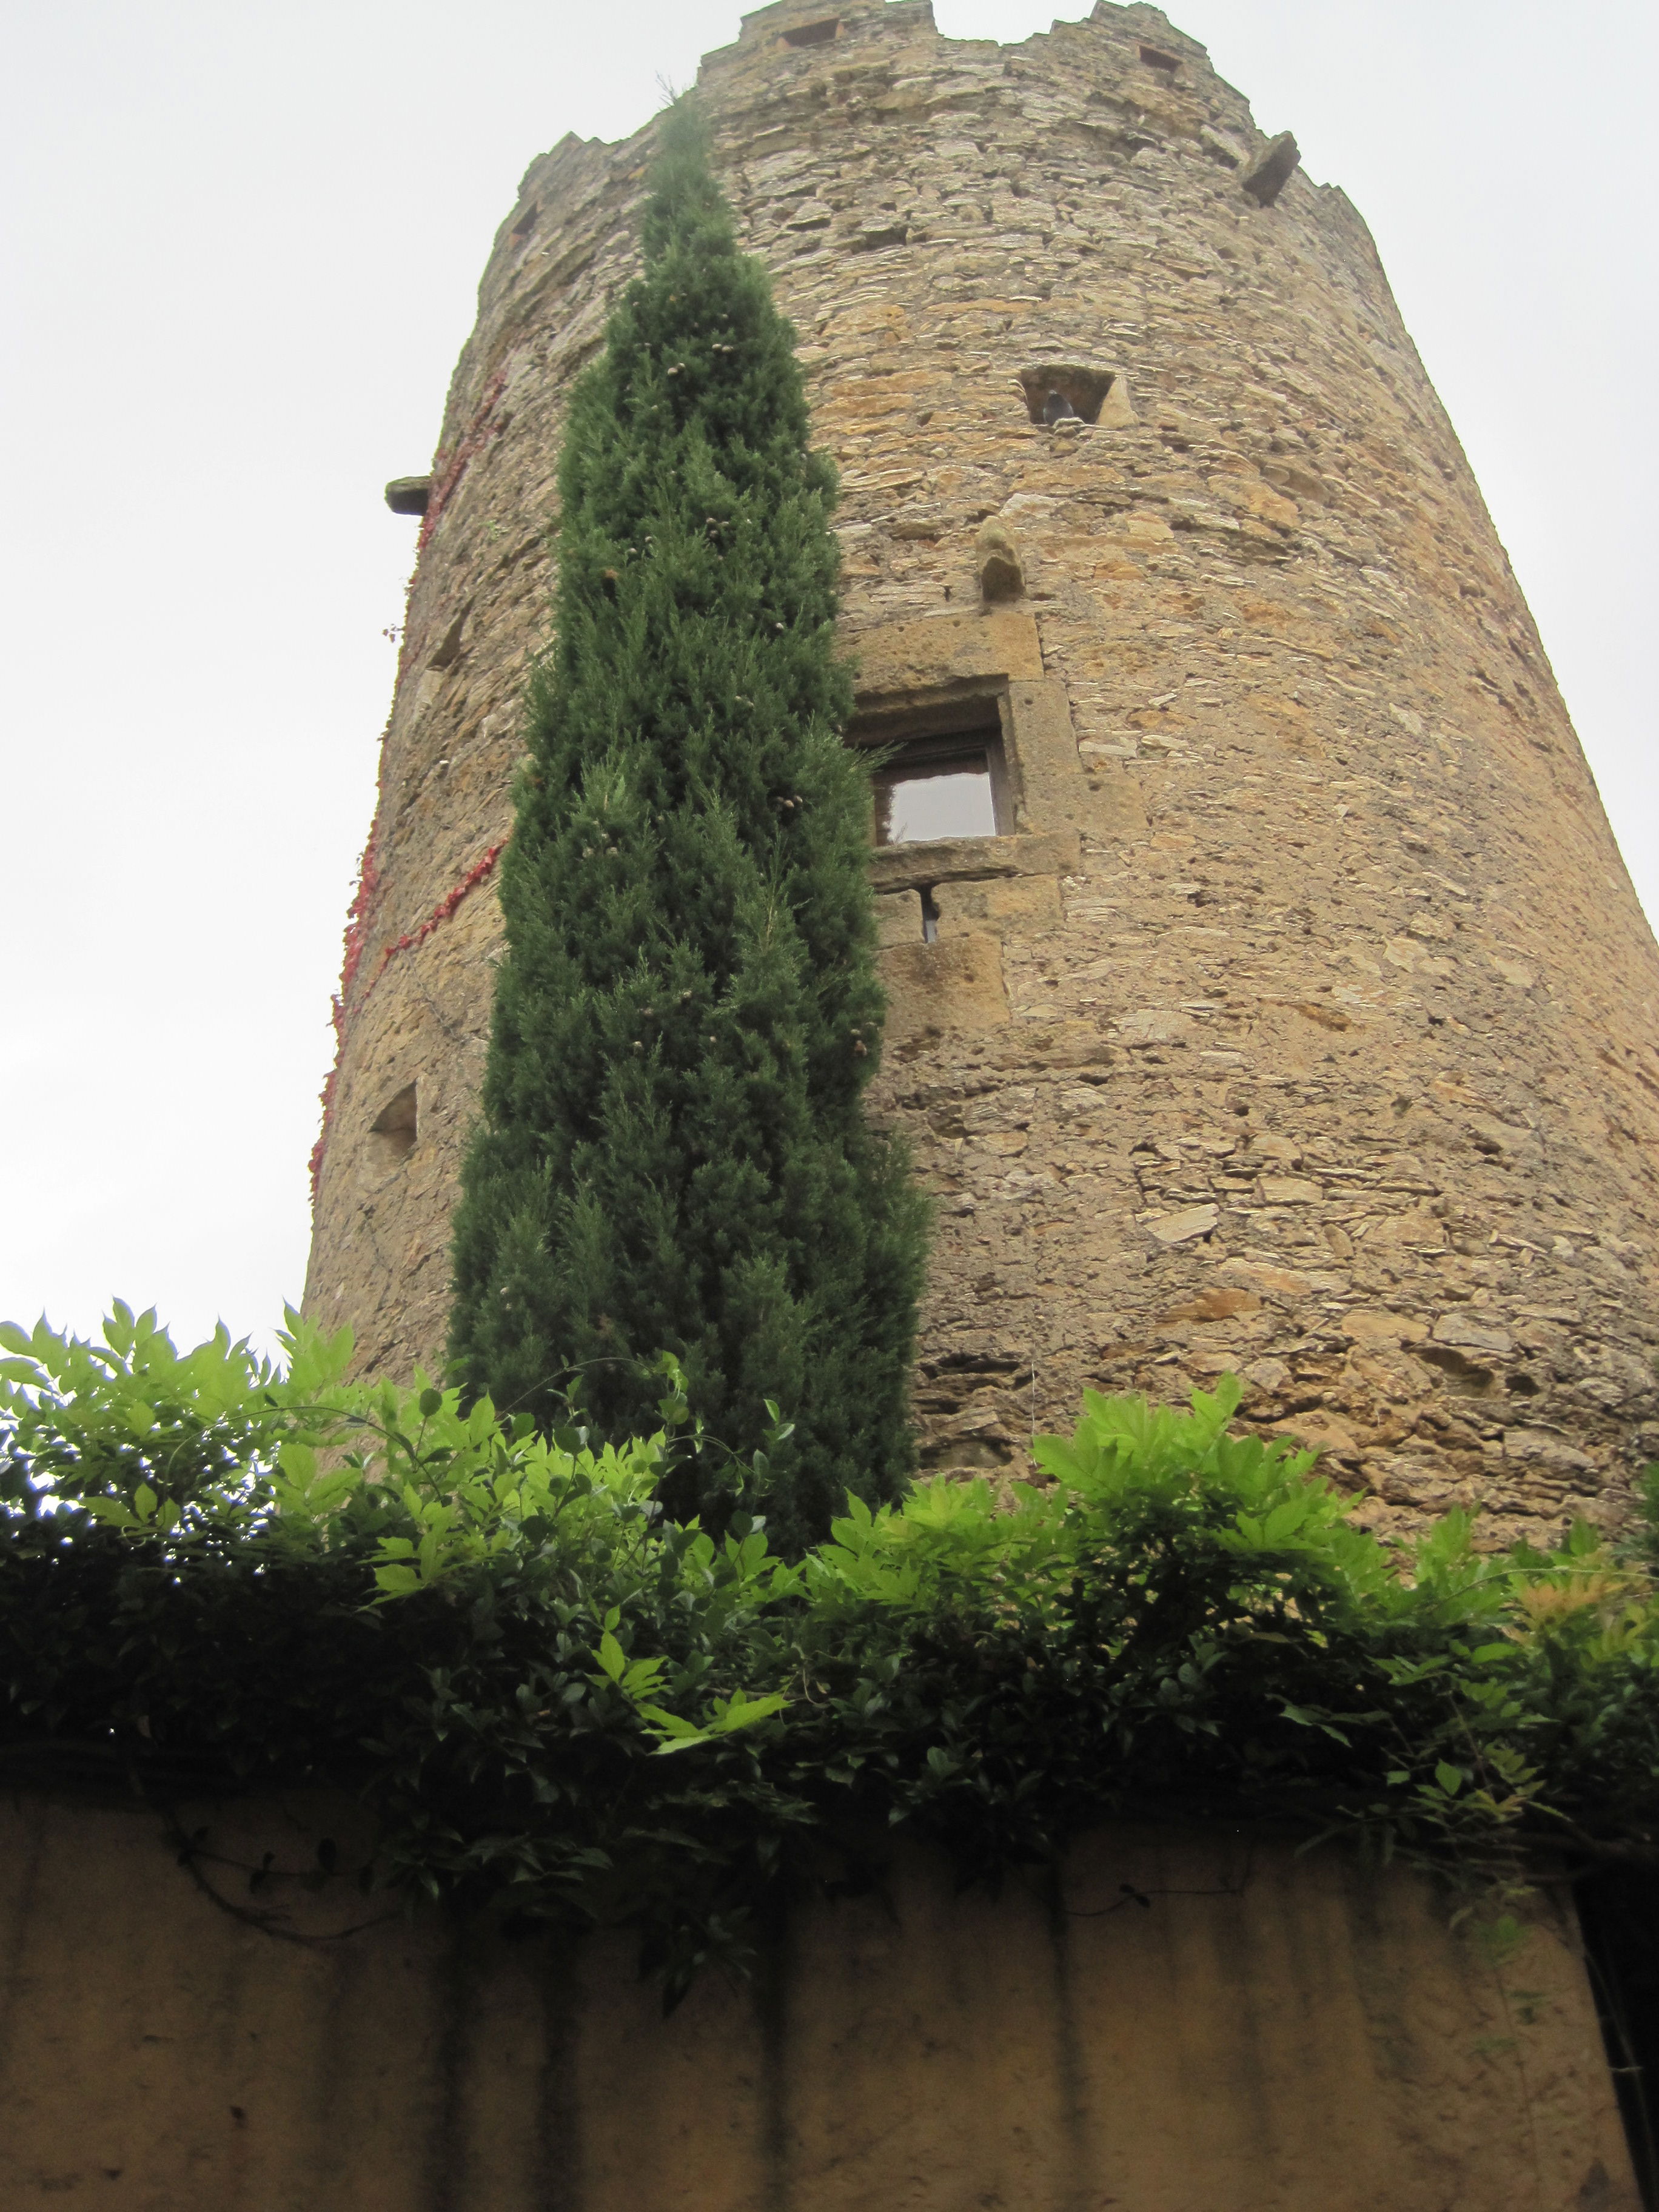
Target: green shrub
pixel 558 1703
pixel 672 1150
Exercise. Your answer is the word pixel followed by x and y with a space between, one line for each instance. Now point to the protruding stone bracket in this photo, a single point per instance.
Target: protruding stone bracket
pixel 1001 568
pixel 448 649
pixel 1266 176
pixel 409 494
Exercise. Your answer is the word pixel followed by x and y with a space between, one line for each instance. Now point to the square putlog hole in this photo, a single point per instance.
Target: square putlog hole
pixel 1056 390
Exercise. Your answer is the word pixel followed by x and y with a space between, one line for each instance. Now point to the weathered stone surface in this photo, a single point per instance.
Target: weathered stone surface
pixel 1309 925
pixel 899 660
pixel 898 917
pixel 953 985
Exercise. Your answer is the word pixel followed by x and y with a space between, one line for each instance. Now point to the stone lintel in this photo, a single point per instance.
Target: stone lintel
pixel 898 659
pixel 972 860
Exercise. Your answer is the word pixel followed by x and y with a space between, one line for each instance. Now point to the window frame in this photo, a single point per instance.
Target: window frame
pixel 949 728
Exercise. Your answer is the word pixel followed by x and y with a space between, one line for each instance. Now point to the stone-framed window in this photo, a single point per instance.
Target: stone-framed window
pixel 980 793
pixel 967 695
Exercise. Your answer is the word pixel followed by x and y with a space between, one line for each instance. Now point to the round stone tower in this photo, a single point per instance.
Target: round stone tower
pixel 1267 989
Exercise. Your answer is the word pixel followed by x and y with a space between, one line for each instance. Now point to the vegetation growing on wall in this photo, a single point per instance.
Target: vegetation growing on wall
pixel 556 1703
pixel 673 1150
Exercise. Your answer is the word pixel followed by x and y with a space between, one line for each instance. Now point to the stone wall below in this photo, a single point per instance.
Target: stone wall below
pixel 1200 2023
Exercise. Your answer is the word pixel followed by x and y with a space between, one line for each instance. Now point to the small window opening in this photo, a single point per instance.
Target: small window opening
pixel 1056 390
pixel 392 1134
pixel 1156 59
pixel 948 783
pixel 929 915
pixel 942 770
pixel 812 34
pixel 525 225
pixel 937 789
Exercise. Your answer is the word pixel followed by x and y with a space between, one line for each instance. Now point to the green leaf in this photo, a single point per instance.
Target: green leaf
pixel 1450 1778
pixel 741 1711
pixel 683 1743
pixel 674 1724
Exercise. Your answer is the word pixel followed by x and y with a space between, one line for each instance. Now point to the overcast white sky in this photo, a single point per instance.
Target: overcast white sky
pixel 239 248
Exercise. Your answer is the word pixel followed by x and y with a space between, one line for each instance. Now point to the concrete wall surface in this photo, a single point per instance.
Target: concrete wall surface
pixel 1202 2024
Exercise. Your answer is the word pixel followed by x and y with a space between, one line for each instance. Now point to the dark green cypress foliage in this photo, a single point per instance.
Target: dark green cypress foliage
pixel 672 1154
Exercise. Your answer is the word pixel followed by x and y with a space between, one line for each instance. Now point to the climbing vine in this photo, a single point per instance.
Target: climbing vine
pixel 356 943
pixel 356 940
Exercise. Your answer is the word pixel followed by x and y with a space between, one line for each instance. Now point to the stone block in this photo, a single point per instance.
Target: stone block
pixel 1266 176
pixel 955 985
pixel 898 659
pixel 948 860
pixel 898 918
pixel 1053 789
pixel 1020 905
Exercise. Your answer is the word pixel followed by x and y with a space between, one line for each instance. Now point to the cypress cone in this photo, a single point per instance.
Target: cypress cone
pixel 672 1153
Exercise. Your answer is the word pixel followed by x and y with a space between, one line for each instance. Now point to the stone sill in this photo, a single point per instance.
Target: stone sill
pixel 972 860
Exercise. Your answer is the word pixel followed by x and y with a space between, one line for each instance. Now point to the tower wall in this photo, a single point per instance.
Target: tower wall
pixel 1301 1020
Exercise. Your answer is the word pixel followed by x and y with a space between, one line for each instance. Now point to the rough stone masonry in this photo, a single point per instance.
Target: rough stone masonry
pixel 1298 1016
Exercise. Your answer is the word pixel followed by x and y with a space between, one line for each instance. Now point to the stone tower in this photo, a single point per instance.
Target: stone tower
pixel 1267 992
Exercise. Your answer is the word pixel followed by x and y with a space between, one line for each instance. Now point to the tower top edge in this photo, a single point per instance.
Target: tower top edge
pixel 855 22
pixel 782 16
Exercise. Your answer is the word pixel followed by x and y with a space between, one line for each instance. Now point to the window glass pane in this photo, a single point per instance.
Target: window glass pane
pixel 937 798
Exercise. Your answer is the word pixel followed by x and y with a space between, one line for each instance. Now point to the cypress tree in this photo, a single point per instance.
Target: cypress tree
pixel 672 1153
